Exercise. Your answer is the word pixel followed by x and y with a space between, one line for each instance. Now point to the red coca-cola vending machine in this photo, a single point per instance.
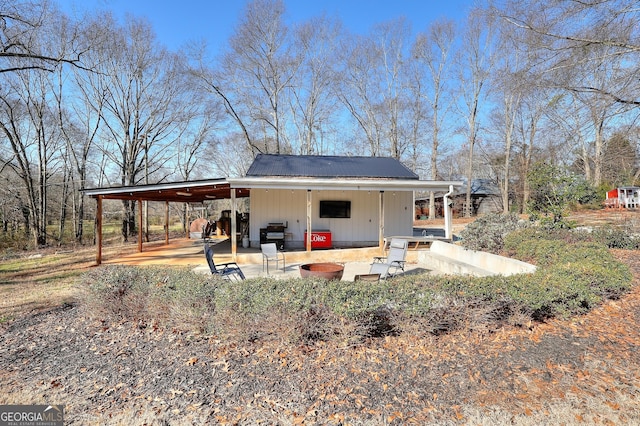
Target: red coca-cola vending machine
pixel 319 239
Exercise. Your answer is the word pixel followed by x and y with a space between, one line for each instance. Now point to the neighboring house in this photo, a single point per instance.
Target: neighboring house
pixel 422 207
pixel 353 201
pixel 627 197
pixel 485 198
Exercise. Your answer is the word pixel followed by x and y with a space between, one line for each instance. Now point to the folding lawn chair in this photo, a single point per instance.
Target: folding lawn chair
pixel 395 257
pixel 229 270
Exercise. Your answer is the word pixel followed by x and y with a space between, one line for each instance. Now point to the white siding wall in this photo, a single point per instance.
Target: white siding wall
pixel 398 213
pixel 276 205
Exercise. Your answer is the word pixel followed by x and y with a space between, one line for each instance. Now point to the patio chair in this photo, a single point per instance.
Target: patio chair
pixel 396 256
pixel 380 269
pixel 229 270
pixel 271 253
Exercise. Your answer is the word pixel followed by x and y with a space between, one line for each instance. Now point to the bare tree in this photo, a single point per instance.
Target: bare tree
pixel 213 81
pixel 35 38
pixel 258 72
pixel 22 25
pixel 513 79
pixel 313 99
pixel 28 127
pixel 572 34
pixel 375 86
pixel 393 39
pixel 79 118
pixel 145 103
pixel 433 52
pixel 474 64
pixel 358 92
pixel 528 122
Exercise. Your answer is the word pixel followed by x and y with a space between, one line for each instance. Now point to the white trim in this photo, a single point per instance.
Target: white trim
pixel 345 184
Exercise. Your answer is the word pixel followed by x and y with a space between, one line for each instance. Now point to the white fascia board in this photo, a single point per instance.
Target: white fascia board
pixel 344 184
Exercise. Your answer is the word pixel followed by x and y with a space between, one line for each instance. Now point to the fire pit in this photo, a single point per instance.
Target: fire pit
pixel 329 271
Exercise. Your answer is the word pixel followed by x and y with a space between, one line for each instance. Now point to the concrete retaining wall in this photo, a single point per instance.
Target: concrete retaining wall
pixel 449 258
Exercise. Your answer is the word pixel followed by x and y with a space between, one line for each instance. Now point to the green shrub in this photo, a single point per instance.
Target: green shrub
pixel 573 275
pixel 618 237
pixel 530 243
pixel 164 295
pixel 487 232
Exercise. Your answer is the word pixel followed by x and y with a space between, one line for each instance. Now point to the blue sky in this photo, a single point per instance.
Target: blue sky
pixel 177 22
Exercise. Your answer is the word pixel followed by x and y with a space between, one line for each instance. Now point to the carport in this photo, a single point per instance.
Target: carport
pixel 179 192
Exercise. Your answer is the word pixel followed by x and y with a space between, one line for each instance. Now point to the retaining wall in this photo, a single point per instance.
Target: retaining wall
pixel 447 258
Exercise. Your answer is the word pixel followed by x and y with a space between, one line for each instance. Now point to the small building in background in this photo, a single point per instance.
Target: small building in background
pixel 485 198
pixel 624 197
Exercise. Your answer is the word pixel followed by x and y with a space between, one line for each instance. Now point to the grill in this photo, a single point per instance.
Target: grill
pixel 273 233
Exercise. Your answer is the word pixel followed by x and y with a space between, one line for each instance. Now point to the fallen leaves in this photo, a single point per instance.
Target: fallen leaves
pixel 406 379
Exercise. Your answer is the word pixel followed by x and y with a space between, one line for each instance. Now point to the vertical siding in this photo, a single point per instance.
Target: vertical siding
pixel 278 205
pixel 398 213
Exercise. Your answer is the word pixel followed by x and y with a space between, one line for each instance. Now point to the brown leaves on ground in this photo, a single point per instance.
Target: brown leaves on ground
pixel 584 370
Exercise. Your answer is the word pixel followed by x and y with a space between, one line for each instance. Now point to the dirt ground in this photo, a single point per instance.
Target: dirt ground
pixel 584 370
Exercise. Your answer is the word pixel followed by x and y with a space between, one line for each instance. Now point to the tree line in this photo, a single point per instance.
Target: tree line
pixel 94 101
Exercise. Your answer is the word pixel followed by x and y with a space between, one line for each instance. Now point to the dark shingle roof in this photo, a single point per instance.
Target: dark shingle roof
pixel 327 166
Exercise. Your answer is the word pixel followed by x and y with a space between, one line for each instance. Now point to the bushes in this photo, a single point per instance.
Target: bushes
pixel 487 232
pixel 617 237
pixel 574 273
pixel 159 295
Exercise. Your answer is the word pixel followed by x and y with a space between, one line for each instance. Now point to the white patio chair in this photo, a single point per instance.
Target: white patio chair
pixel 271 253
pixel 380 269
pixel 395 257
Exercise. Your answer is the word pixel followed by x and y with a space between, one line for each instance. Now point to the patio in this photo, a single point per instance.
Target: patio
pixel 189 252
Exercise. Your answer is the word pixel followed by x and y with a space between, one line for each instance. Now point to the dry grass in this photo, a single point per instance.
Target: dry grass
pixel 42 280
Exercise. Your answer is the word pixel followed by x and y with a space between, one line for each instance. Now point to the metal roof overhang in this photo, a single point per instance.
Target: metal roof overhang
pixel 215 189
pixel 344 184
pixel 183 192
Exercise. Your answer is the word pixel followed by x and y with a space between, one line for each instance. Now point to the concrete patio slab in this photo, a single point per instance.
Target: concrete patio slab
pixel 351 269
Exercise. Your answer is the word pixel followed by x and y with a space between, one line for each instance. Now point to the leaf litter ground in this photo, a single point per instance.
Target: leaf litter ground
pixel 585 370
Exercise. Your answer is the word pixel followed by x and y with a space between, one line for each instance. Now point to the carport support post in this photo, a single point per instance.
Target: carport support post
pixel 234 238
pixel 99 229
pixel 381 216
pixel 186 220
pixel 447 215
pixel 140 227
pixel 166 222
pixel 309 204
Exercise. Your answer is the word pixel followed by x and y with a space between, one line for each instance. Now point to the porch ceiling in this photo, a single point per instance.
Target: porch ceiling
pixel 183 192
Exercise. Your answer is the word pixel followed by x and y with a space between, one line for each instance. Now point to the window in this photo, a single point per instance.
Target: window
pixel 335 209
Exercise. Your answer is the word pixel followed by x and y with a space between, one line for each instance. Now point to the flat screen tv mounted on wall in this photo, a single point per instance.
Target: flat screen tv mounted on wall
pixel 335 209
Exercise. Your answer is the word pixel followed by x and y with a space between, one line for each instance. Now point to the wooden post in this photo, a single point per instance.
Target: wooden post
pixel 166 222
pixel 232 231
pixel 381 219
pixel 309 211
pixel 99 229
pixel 186 219
pixel 140 228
